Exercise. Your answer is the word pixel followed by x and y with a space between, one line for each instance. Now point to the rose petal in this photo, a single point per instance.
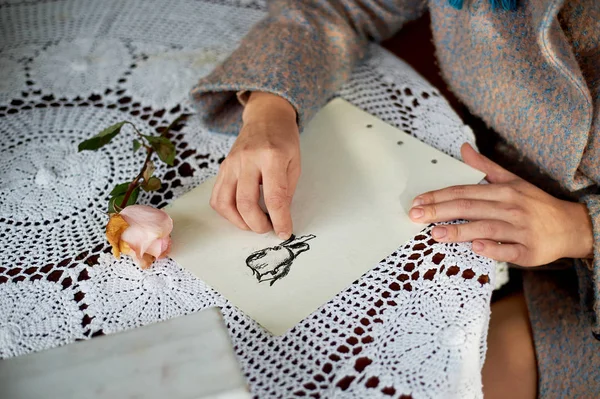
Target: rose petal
pixel 166 251
pixel 159 246
pixel 146 224
pixel 138 239
pixel 144 261
pixel 149 218
pixel 114 231
pixel 126 249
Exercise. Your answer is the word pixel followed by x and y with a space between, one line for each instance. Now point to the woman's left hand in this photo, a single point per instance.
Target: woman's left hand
pixel 510 219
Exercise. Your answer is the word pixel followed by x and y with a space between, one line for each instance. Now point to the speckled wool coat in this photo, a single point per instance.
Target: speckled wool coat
pixel 533 75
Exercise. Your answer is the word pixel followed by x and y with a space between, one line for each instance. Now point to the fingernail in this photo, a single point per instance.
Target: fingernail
pixel 283 236
pixel 418 201
pixel 417 213
pixel 438 232
pixel 477 246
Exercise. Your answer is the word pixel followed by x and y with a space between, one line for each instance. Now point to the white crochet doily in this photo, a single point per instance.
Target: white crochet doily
pixel 414 325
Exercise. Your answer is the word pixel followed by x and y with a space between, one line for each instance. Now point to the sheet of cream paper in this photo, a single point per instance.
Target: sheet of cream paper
pixel 359 177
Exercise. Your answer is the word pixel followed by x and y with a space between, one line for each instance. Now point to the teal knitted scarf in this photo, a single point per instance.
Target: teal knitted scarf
pixel 506 4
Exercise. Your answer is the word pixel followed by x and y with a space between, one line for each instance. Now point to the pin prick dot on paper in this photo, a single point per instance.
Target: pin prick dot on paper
pixel 369 126
pixel 434 161
pixel 400 142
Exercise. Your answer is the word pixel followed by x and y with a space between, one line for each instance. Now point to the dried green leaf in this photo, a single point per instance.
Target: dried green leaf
pixel 115 202
pixel 152 184
pixel 102 138
pixel 175 122
pixel 134 196
pixel 148 171
pixel 163 147
pixel 120 189
pixel 136 145
pixel 111 205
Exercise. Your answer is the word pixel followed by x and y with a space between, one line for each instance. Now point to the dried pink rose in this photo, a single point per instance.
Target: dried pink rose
pixel 142 232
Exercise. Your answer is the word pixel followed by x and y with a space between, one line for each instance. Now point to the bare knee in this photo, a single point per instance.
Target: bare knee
pixel 510 369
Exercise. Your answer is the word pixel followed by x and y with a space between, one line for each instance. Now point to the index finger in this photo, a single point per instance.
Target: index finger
pixel 276 191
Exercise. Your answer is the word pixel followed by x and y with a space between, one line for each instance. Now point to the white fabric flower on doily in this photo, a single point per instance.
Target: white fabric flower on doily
pixel 13 72
pixel 43 179
pixel 164 78
pixel 120 295
pixel 433 119
pixel 206 142
pixel 35 316
pixel 12 79
pixel 80 67
pixel 441 345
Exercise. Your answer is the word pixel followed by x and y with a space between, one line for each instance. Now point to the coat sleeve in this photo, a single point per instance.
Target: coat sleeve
pixel 591 282
pixel 302 51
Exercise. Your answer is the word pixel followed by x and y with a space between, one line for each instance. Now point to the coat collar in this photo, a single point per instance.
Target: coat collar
pixel 558 53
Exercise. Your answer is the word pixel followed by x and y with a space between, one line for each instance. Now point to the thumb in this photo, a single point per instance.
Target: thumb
pixel 494 173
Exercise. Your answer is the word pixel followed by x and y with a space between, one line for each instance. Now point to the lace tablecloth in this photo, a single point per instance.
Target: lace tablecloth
pixel 415 325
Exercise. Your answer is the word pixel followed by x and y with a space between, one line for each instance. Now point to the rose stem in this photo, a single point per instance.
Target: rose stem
pixel 135 181
pixel 150 151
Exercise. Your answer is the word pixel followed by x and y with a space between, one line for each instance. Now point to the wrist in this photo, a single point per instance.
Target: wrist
pixel 582 233
pixel 262 105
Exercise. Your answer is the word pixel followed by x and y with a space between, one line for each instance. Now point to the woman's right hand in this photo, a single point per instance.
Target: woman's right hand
pixel 267 152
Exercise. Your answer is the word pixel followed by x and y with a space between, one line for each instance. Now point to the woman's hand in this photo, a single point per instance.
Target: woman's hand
pixel 267 152
pixel 510 219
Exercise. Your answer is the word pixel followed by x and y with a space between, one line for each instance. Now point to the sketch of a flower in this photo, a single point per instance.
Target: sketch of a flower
pixel 274 263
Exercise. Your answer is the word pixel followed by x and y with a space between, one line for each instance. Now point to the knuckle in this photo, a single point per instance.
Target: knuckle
pixel 526 237
pixel 225 163
pixel 276 202
pixel 230 165
pixel 219 205
pixel 457 191
pixel 488 230
pixel 515 213
pixel 455 232
pixel 513 256
pixel 428 198
pixel 246 154
pixel 278 189
pixel 263 228
pixel 509 193
pixel 272 153
pixel 432 211
pixel 244 204
pixel 465 204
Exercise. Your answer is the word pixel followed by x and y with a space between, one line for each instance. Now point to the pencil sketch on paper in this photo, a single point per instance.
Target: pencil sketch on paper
pixel 274 263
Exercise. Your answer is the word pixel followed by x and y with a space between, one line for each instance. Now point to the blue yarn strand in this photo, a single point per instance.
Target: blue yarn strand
pixel 509 5
pixel 458 4
pixel 495 4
